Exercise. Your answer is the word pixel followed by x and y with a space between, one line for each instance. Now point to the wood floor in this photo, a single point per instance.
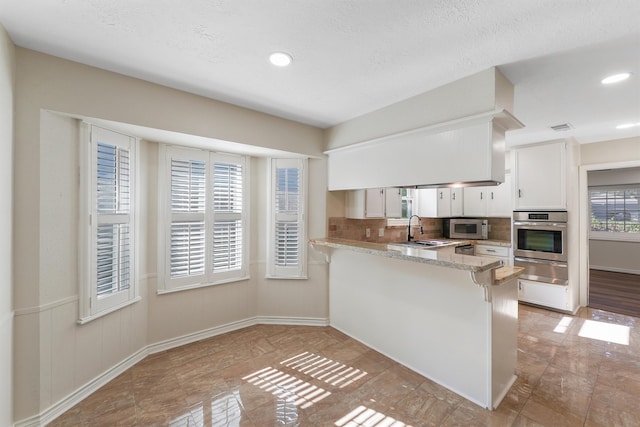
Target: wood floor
pixel 618 292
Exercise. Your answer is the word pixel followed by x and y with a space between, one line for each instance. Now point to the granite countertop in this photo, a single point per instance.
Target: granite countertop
pixel 433 255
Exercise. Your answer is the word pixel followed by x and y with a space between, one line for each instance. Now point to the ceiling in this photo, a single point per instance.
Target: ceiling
pixel 351 57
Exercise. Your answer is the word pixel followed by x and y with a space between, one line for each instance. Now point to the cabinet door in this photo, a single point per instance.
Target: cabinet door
pixel 540 177
pixel 545 294
pixel 475 201
pixel 443 202
pixel 499 199
pixel 360 204
pixel 456 202
pixel 374 203
pixel 393 202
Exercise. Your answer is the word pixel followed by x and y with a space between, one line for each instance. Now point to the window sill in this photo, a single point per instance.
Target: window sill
pixel 614 237
pixel 201 285
pixel 89 318
pixel 397 222
pixel 271 277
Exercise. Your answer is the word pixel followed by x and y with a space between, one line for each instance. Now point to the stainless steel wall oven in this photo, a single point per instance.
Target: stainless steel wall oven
pixel 539 240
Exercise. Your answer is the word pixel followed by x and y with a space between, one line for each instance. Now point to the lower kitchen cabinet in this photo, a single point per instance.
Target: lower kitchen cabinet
pixel 501 252
pixel 545 294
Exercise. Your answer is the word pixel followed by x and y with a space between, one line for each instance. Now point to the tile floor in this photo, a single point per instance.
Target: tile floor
pixel 572 371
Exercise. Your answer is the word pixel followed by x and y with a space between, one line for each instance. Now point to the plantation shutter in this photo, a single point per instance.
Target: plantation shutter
pixel 288 202
pixel 187 205
pixel 228 205
pixel 203 219
pixel 111 224
pixel 113 212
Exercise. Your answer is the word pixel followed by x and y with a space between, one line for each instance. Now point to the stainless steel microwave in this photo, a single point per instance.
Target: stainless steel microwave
pixel 466 228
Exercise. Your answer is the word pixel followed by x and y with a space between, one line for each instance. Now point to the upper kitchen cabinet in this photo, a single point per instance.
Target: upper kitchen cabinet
pixel 540 176
pixel 393 202
pixel 373 203
pixel 492 201
pixel 440 202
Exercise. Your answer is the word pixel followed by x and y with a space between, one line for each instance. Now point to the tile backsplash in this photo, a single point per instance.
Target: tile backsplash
pixel 356 229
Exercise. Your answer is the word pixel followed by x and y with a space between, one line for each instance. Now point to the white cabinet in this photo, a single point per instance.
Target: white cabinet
pixel 501 252
pixel 545 294
pixel 440 202
pixel 500 199
pixel 494 201
pixel 393 202
pixel 373 203
pixel 540 176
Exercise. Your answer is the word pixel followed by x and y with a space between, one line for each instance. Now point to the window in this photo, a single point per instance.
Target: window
pixel 202 219
pixel 108 273
pixel 287 228
pixel 408 208
pixel 615 212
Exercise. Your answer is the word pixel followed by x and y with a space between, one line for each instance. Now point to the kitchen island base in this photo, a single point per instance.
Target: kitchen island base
pixel 434 320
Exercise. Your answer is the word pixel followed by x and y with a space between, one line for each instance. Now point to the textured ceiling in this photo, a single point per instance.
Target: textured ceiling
pixel 355 56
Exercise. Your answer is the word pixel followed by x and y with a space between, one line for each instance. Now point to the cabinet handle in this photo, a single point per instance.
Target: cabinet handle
pixel 492 195
pixel 481 195
pixel 441 195
pixel 519 193
pixel 454 196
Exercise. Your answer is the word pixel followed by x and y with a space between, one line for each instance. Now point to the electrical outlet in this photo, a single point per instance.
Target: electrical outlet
pixel 380 232
pixel 368 233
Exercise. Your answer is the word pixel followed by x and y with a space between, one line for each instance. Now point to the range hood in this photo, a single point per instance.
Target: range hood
pixel 459 153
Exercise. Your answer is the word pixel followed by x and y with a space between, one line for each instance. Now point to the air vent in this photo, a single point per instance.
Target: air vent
pixel 562 127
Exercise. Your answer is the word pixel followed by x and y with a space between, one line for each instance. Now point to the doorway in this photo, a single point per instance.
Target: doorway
pixel 611 218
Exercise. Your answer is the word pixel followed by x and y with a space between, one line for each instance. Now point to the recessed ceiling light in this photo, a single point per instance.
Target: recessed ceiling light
pixel 627 125
pixel 280 59
pixel 615 78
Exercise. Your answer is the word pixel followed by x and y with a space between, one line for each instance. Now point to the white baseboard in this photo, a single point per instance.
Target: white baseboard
pixel 292 321
pixel 60 407
pixel 200 335
pixel 614 269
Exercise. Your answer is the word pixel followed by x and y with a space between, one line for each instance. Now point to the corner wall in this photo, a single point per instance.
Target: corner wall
pixel 7 77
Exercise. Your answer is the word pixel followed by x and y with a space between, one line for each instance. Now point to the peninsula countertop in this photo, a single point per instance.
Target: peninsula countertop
pixel 427 255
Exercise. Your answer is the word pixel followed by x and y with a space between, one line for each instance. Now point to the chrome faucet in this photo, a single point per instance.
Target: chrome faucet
pixel 409 236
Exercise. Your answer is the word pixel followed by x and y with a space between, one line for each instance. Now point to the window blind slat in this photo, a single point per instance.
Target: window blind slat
pixel 227 246
pixel 187 249
pixel 287 204
pixel 113 261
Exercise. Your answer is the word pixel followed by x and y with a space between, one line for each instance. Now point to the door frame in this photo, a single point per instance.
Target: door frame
pixel 585 219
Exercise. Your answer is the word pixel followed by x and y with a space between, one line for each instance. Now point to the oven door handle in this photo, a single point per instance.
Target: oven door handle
pixel 541 261
pixel 540 224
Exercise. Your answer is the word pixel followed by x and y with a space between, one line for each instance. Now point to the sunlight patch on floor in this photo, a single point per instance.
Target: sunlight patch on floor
pixel 608 332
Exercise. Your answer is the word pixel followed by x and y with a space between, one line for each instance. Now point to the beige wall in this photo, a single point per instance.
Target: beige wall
pixel 7 75
pixel 606 254
pixel 55 357
pixel 620 150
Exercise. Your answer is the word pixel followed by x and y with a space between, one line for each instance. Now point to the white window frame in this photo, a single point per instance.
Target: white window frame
pixel 298 270
pixel 166 283
pixel 610 235
pixel 411 199
pixel 92 305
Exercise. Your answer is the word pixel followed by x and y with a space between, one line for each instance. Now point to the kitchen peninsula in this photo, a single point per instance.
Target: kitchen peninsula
pixel 450 317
